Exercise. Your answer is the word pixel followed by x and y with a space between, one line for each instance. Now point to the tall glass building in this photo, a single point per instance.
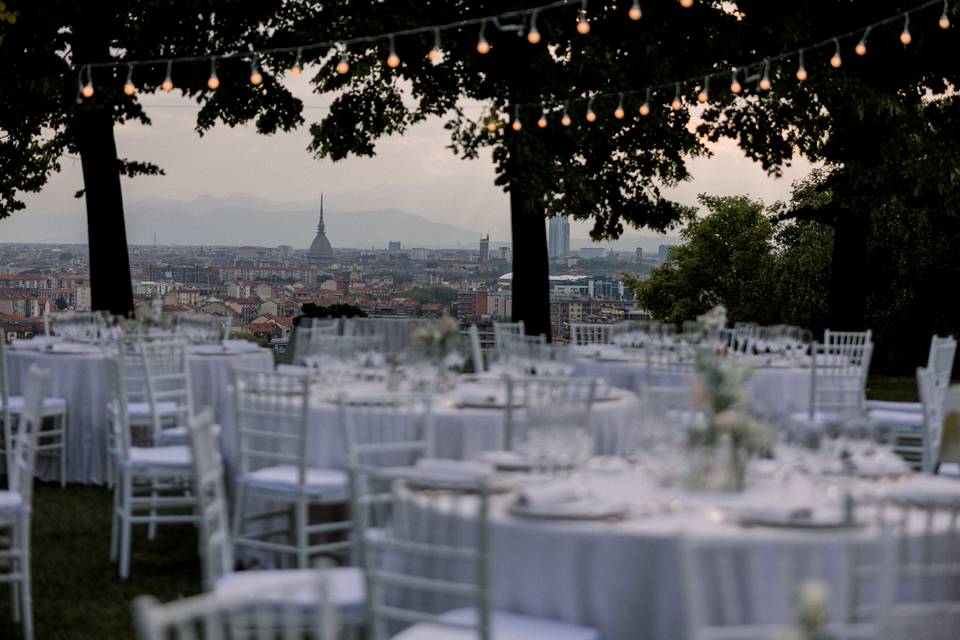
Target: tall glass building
pixel 558 239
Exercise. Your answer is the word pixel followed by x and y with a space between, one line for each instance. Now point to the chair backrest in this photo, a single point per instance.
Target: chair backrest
pixel 584 334
pixel 305 337
pixel 431 557
pixel 476 352
pixel 5 413
pixel 931 398
pixel 747 588
pixel 216 549
pixel 274 610
pixel 923 572
pixel 502 329
pixel 168 381
pixel 272 412
pixel 838 378
pixel 847 342
pixel 199 327
pixel 940 359
pixel 23 460
pixel 387 430
pixel 540 404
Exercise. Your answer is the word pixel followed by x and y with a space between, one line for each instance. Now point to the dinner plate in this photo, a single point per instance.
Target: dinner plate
pixel 583 509
pixel 816 521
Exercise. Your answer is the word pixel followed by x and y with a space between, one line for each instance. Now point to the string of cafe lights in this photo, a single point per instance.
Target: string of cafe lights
pixel 529 16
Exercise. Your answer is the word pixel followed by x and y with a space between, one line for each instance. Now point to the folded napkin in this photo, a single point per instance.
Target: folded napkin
pixel 504 459
pixel 476 394
pixel 776 513
pixel 545 495
pixel 451 471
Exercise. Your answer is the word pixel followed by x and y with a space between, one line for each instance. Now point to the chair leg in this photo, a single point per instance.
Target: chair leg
pixel 302 538
pixel 26 599
pixel 115 522
pixel 152 527
pixel 62 427
pixel 126 527
pixel 238 513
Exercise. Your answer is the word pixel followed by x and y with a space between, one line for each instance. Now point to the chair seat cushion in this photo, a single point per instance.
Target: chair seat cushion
pixel 10 501
pixel 346 588
pixel 896 418
pixel 886 405
pixel 51 406
pixel 285 478
pixel 181 435
pixel 159 457
pixel 142 409
pixel 504 626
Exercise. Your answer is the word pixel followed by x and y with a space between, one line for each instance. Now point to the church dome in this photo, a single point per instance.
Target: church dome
pixel 320 248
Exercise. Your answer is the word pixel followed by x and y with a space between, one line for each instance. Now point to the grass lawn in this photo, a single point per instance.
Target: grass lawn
pixel 893 388
pixel 77 594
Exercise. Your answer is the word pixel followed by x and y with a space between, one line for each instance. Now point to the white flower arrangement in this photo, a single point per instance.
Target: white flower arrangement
pixel 812 612
pixel 716 318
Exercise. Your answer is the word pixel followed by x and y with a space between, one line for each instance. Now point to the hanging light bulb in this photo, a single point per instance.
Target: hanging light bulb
pixel 213 81
pixel 686 4
pixel 704 94
pixel 86 88
pixel 565 120
pixel 435 55
pixel 765 83
pixel 515 124
pixel 944 21
pixel 735 86
pixel 542 122
pixel 492 124
pixel 128 87
pixel 676 104
pixel 635 12
pixel 343 67
pixel 591 114
pixel 533 35
pixel 167 84
pixel 393 60
pixel 801 70
pixel 836 60
pixel 645 107
pixel 483 47
pixel 618 113
pixel 861 48
pixel 905 37
pixel 583 26
pixel 255 76
pixel 297 67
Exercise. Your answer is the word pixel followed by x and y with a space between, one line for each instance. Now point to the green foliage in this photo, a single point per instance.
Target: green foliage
pixel 426 295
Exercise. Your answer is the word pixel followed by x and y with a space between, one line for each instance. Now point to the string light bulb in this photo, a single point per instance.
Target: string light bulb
pixel 87 89
pixel 533 35
pixel 676 105
pixel 635 12
pixel 435 55
pixel 297 67
pixel 255 76
pixel 542 122
pixel 686 4
pixel 591 114
pixel 618 113
pixel 944 21
pixel 516 125
pixel 393 60
pixel 492 124
pixel 583 26
pixel 765 84
pixel 801 70
pixel 735 86
pixel 905 37
pixel 645 107
pixel 565 120
pixel 836 60
pixel 483 47
pixel 167 84
pixel 704 95
pixel 343 67
pixel 128 87
pixel 213 82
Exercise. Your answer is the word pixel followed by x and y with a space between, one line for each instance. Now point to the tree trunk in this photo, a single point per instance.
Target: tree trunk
pixel 848 292
pixel 106 232
pixel 531 270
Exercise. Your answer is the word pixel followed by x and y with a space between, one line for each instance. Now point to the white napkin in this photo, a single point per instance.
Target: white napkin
pixel 506 459
pixel 476 394
pixel 451 471
pixel 545 495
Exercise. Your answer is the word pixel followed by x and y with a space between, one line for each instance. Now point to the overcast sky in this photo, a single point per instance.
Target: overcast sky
pixel 414 172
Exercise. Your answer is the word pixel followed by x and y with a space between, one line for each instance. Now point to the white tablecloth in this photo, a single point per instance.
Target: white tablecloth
pixel 774 390
pixel 81 378
pixel 624 578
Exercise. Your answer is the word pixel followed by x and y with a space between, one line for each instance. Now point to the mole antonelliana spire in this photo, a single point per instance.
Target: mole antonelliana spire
pixel 320 249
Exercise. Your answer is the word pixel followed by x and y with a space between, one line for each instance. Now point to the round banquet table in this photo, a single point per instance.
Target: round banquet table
pixel 81 378
pixel 775 388
pixel 460 432
pixel 624 577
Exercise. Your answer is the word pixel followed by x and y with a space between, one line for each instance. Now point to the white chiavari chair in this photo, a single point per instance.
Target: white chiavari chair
pixel 543 413
pixel 16 502
pixel 737 590
pixel 268 611
pixel 665 391
pixel 272 412
pixel 476 353
pixel 345 585
pixel 428 570
pixel 152 483
pixel 51 440
pixel 305 334
pixel 582 334
pixel 503 329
